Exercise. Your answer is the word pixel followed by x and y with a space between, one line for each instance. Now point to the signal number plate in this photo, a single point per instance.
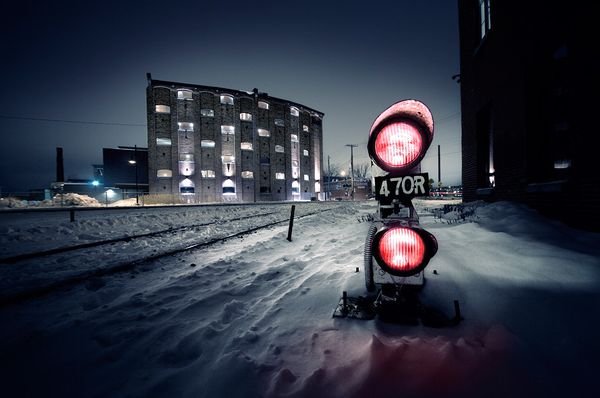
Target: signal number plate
pixel 401 187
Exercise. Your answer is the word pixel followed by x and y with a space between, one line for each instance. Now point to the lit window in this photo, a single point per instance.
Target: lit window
pixel 305 152
pixel 484 17
pixel 562 164
pixel 185 126
pixel 163 141
pixel 294 111
pixel 207 173
pixel 163 109
pixel 280 176
pixel 306 178
pixel 184 94
pixel 186 186
pixel 279 148
pixel 207 144
pixel 247 174
pixel 228 159
pixel 228 187
pixel 279 122
pixel 187 168
pixel 263 105
pixel 207 112
pixel 227 130
pixel 246 117
pixel 164 173
pixel 317 187
pixel 186 157
pixel 295 188
pixel 294 138
pixel 263 133
pixel 246 146
pixel 305 128
pixel 227 99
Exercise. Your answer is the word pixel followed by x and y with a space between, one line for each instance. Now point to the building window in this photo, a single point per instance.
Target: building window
pixel 227 99
pixel 294 138
pixel 207 112
pixel 164 173
pixel 305 152
pixel 163 142
pixel 227 130
pixel 486 172
pixel 279 122
pixel 228 187
pixel 295 188
pixel 485 17
pixel 163 109
pixel 228 159
pixel 207 144
pixel 305 128
pixel 562 164
pixel 246 117
pixel 306 178
pixel 279 149
pixel 184 94
pixel 263 105
pixel 280 176
pixel 187 157
pixel 187 168
pixel 263 133
pixel 186 186
pixel 247 174
pixel 317 186
pixel 294 111
pixel 185 126
pixel 246 146
pixel 207 173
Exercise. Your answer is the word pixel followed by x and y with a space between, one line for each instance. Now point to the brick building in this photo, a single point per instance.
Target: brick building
pixel 528 123
pixel 215 144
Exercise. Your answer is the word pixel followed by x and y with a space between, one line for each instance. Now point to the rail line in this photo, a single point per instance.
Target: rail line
pixel 128 238
pixel 40 291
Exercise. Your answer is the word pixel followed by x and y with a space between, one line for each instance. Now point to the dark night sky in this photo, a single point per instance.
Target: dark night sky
pixel 87 61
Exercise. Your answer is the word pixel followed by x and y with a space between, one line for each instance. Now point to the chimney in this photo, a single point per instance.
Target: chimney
pixel 60 168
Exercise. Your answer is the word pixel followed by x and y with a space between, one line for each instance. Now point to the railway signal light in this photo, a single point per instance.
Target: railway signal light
pixel 396 246
pixel 403 251
pixel 400 136
pixel 397 249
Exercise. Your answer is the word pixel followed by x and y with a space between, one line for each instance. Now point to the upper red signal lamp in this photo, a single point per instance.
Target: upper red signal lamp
pixel 400 136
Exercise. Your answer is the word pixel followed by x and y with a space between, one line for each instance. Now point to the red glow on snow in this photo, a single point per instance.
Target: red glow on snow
pixel 402 249
pixel 398 144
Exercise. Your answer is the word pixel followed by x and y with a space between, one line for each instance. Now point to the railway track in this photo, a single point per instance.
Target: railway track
pixel 39 289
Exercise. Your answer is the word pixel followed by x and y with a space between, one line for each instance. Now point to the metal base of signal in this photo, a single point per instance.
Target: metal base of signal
pixel 395 304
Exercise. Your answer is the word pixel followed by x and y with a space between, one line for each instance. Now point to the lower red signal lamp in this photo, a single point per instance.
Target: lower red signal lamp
pixel 402 250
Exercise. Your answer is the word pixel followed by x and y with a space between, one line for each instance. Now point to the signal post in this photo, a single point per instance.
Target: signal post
pixel 397 249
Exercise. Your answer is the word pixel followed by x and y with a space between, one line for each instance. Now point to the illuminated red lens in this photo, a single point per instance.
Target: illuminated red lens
pixel 402 249
pixel 398 144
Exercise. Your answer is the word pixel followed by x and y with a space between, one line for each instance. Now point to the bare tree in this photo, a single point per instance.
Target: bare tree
pixel 332 171
pixel 361 170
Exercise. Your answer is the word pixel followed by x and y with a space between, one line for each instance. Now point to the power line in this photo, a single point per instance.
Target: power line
pixel 38 119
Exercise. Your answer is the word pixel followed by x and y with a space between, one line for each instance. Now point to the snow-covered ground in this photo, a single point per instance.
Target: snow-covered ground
pixel 252 316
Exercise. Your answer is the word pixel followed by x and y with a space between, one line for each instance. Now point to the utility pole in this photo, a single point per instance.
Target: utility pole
pixel 328 188
pixel 352 166
pixel 439 168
